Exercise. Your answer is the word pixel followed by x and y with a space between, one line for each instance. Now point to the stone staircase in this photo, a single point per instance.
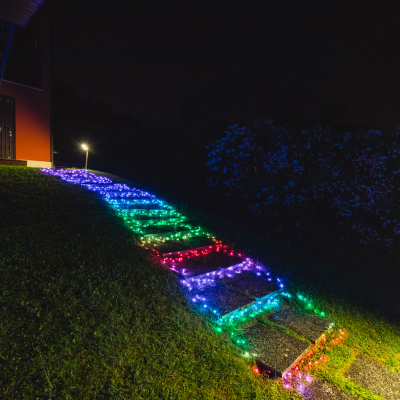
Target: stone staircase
pixel 234 290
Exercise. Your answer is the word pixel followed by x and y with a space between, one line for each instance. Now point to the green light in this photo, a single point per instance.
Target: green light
pixel 156 222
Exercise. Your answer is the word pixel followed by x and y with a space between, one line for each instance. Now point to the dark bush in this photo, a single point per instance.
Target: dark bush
pixel 288 182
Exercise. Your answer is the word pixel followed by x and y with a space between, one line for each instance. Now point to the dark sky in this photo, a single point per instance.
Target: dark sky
pixel 185 63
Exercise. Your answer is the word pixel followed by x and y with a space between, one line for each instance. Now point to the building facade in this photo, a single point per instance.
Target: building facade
pixel 25 87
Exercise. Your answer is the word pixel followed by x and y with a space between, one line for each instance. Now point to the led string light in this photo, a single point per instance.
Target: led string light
pixel 180 256
pixel 309 306
pixel 150 212
pixel 114 194
pixel 132 210
pixel 116 187
pixel 79 177
pixel 209 278
pixel 139 228
pixel 59 172
pixel 255 308
pixel 261 306
pixel 114 190
pixel 128 194
pixel 299 375
pixel 196 250
pixel 163 236
pixel 91 181
pixel 144 223
pixel 120 196
pixel 142 200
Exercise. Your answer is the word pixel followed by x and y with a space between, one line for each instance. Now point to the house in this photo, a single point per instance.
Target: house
pixel 25 84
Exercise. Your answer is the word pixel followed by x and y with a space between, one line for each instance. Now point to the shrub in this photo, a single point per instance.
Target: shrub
pixel 287 181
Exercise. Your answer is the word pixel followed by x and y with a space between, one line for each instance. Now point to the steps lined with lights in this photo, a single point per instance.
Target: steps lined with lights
pixel 276 352
pixel 219 281
pixel 309 326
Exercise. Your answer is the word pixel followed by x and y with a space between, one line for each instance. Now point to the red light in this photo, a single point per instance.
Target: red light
pixel 256 370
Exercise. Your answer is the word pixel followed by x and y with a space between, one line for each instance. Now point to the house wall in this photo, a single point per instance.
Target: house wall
pixel 32 107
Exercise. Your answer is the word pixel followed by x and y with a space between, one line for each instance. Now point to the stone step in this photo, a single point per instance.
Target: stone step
pixel 276 352
pixel 318 390
pixel 127 194
pixel 143 217
pixel 254 283
pixel 171 233
pixel 161 229
pixel 149 212
pixel 98 180
pixel 170 247
pixel 230 302
pixel 141 222
pixel 219 300
pixel 200 265
pixel 132 200
pixel 197 250
pixel 126 203
pixel 207 274
pixel 375 377
pixel 311 326
pixel 142 207
pixel 103 189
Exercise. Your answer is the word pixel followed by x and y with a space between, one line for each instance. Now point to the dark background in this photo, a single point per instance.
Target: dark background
pixel 148 84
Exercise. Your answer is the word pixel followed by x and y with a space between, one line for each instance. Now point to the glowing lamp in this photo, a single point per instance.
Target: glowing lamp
pixel 84 147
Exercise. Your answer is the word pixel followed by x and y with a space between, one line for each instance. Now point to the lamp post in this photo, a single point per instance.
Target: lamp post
pixel 84 147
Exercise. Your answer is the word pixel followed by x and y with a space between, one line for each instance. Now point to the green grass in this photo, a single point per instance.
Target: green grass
pixel 367 311
pixel 88 313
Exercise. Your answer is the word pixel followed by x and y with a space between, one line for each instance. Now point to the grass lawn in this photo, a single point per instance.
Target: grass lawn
pixel 88 313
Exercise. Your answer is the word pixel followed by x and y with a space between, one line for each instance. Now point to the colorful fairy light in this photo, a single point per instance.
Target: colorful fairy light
pixel 256 370
pixel 197 252
pixel 141 211
pixel 144 223
pixel 299 376
pixel 209 278
pixel 150 212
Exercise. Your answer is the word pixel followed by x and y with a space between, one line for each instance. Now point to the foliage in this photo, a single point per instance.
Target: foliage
pixel 288 181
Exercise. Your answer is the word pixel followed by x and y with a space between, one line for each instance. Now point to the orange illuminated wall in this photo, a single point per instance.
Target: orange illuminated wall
pixel 32 107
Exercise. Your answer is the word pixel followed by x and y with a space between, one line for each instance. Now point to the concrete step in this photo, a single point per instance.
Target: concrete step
pixel 103 189
pixel 206 275
pixel 87 180
pixel 202 250
pixel 375 377
pixel 140 206
pixel 170 233
pixel 231 303
pixel 219 300
pixel 134 200
pixel 154 221
pixel 127 194
pixel 203 264
pixel 149 212
pixel 318 390
pixel 254 283
pixel 310 326
pixel 276 352
pixel 170 247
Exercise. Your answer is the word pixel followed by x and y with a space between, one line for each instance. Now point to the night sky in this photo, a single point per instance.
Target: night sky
pixel 186 63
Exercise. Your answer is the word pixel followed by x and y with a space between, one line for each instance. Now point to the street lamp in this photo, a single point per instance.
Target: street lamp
pixel 84 147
